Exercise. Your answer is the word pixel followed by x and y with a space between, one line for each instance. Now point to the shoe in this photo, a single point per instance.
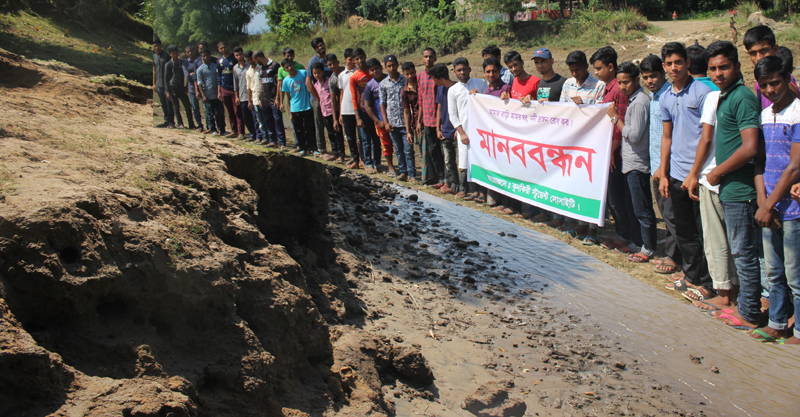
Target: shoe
pixel 180 127
pixel 171 127
pixel 403 177
pixel 215 133
pixel 302 153
pixel 205 132
pixel 163 125
pixel 233 135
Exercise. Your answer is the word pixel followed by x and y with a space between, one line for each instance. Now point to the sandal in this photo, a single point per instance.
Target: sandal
pixel 566 230
pixel 616 246
pixel 697 294
pixel 508 211
pixel 764 336
pixel 498 207
pixel 679 285
pixel 480 199
pixel 737 324
pixel 589 241
pixel 666 267
pixel 461 195
pixel 413 180
pixel 639 258
pixel 391 175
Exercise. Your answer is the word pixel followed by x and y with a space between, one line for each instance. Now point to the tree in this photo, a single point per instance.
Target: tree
pixel 183 21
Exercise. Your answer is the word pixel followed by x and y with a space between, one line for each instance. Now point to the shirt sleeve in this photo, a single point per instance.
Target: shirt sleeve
pixel 354 90
pixel 168 76
pixel 382 94
pixel 747 112
pixel 452 106
pixel 709 115
pixel 665 116
pixel 285 86
pixel 564 96
pixel 601 90
pixel 635 122
pixel 235 82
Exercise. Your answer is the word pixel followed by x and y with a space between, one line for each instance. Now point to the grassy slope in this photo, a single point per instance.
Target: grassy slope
pixel 107 50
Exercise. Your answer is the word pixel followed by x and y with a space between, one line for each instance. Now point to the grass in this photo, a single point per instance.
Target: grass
pixel 105 51
pixel 7 185
pixel 174 247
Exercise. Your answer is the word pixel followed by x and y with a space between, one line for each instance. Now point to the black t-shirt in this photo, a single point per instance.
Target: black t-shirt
pixel 550 89
pixel 269 83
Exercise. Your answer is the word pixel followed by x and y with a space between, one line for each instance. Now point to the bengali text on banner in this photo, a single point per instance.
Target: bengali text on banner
pixel 552 155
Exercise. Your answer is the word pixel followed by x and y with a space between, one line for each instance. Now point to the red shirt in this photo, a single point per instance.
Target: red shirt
pixel 358 82
pixel 528 87
pixel 427 98
pixel 612 94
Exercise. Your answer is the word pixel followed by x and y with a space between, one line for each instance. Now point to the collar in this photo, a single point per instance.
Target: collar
pixel 502 84
pixel 591 79
pixel 685 87
pixel 737 84
pixel 657 94
pixel 634 95
pixel 611 84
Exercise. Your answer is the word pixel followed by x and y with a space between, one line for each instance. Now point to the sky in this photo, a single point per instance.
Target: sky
pixel 259 23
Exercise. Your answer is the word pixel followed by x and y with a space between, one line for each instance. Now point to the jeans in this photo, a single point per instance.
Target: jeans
pixel 370 141
pixel 405 152
pixel 234 115
pixel 337 141
pixel 619 198
pixel 303 122
pixel 671 241
pixel 350 133
pixel 215 111
pixel 274 120
pixel 166 107
pixel 432 158
pixel 319 126
pixel 689 233
pixel 179 98
pixel 642 200
pixel 195 102
pixel 744 238
pixel 261 123
pixel 782 252
pixel 249 119
pixel 450 166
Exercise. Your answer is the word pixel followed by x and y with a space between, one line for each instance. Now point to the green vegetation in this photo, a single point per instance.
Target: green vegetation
pixel 184 21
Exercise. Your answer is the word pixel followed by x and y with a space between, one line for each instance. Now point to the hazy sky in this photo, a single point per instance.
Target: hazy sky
pixel 259 22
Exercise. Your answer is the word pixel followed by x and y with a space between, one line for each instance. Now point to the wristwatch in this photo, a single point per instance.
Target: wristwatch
pixel 614 120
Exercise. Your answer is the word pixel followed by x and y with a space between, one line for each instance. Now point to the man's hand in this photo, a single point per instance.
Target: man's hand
pixel 250 105
pixel 169 97
pixel 341 120
pixel 439 134
pixel 542 100
pixel 713 177
pixel 335 125
pixel 504 95
pixel 692 185
pixel 465 139
pixel 612 111
pixel 577 100
pixel 795 192
pixel 280 107
pixel 766 218
pixel 236 101
pixel 359 123
pixel 388 126
pixel 663 187
pixel 526 99
pixel 473 91
pixel 410 139
pixel 657 176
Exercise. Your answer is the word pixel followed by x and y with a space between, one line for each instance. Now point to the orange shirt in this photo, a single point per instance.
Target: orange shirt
pixel 358 82
pixel 528 87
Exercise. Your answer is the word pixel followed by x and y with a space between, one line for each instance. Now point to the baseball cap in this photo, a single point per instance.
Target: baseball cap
pixel 542 53
pixel 390 58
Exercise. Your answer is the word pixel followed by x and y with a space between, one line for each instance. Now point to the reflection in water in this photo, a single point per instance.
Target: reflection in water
pixel 754 379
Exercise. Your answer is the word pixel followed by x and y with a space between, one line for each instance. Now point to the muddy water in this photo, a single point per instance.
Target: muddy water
pixel 753 380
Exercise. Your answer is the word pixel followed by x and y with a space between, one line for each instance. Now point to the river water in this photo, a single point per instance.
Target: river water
pixel 755 379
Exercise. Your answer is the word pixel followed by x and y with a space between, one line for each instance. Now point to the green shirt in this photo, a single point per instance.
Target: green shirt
pixel 738 109
pixel 283 74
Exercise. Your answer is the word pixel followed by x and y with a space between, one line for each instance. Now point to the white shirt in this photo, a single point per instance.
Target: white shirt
pixel 457 108
pixel 344 86
pixel 254 84
pixel 709 117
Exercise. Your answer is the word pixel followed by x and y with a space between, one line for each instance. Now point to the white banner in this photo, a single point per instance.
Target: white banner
pixel 552 155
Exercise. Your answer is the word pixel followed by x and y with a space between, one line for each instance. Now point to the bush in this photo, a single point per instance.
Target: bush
pixel 426 31
pixel 293 23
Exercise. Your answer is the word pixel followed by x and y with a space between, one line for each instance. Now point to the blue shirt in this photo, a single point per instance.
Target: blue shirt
pixel 781 132
pixel 225 71
pixel 684 109
pixel 447 127
pixel 372 95
pixel 208 80
pixel 296 87
pixel 506 76
pixel 656 127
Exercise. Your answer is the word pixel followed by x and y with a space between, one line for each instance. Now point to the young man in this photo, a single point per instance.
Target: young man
pixel 736 148
pixel 322 88
pixel 208 87
pixel 319 120
pixel 226 93
pixel 409 100
pixel 654 78
pixel 369 138
pixel 759 41
pixel 550 84
pixel 777 168
pixel 635 150
pixel 348 115
pixel 698 69
pixel 297 97
pixel 273 116
pixel 253 89
pixel 371 101
pixel 457 109
pixel 160 59
pixel 391 90
pixel 525 85
pixel 176 87
pixel 190 66
pixel 246 117
pixel 628 233
pixel 288 53
pixel 337 141
pixel 495 85
pixel 681 108
pixel 433 172
pixel 492 51
pixel 445 131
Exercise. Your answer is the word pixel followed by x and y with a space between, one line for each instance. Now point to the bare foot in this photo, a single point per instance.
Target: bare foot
pixel 720 302
pixel 792 341
pixel 764 305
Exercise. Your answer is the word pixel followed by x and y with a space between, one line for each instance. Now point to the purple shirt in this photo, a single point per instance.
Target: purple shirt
pixel 504 88
pixel 764 101
pixel 372 93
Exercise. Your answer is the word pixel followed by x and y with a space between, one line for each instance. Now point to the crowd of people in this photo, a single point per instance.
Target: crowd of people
pixel 724 162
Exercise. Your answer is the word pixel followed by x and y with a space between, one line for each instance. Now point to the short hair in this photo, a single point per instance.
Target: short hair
pixel 331 57
pixel 317 65
pixel 259 54
pixel 429 49
pixel 758 34
pixel 248 54
pixel 512 56
pixel 671 48
pixel 698 59
pixel 460 61
pixel 373 62
pixel 156 41
pixel 407 66
pixel 286 61
pixel 771 65
pixel 628 68
pixel 191 48
pixel 348 53
pixel 171 49
pixel 288 50
pixel 238 49
pixel 606 55
pixel 491 61
pixel 724 48
pixel 359 51
pixel 492 50
pixel 204 44
pixel 652 63
pixel 439 71
pixel 576 57
pixel 316 41
pixel 205 52
pixel 788 59
pixel 221 43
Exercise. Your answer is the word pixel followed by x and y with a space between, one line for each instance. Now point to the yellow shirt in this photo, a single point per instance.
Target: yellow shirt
pixel 254 85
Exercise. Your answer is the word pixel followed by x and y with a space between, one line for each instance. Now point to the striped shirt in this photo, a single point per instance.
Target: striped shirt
pixel 427 99
pixel 590 92
pixel 656 127
pixel 781 131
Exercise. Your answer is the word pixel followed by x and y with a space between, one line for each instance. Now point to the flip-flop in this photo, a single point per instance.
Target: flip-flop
pixel 638 258
pixel 566 230
pixel 589 241
pixel 679 285
pixel 737 324
pixel 766 338
pixel 713 307
pixel 697 294
pixel 671 267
